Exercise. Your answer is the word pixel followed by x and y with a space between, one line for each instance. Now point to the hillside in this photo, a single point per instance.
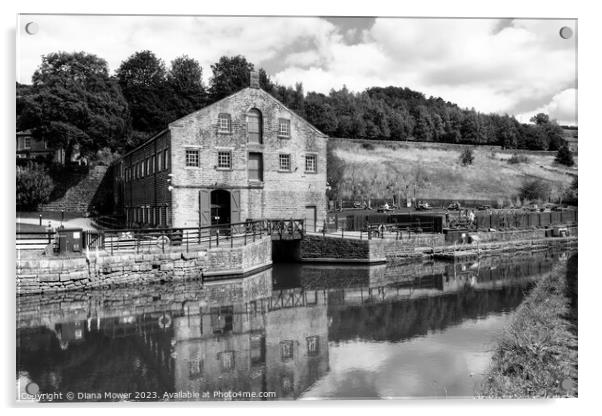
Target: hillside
pixel 389 166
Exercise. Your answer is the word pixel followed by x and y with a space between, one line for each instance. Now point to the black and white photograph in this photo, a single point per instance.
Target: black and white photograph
pixel 216 208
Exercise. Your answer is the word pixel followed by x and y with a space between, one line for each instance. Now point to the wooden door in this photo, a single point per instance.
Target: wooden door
pixel 235 206
pixel 204 207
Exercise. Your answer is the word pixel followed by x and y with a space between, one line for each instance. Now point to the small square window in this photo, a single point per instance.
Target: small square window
pixel 285 162
pixel 313 345
pixel 192 158
pixel 27 142
pixel 286 350
pixel 224 123
pixel 284 127
pixel 311 163
pixel 224 160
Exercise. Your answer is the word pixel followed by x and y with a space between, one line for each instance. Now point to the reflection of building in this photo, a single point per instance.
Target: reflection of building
pixel 277 344
pixel 245 156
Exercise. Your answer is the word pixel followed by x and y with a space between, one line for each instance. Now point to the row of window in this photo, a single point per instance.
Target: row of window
pixel 224 160
pixel 228 362
pixel 147 215
pixel 254 125
pixel 148 166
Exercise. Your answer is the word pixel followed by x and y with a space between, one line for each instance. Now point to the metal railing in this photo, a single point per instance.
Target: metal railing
pixel 144 239
pixel 34 239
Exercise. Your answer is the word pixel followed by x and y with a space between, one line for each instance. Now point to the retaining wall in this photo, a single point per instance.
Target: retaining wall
pixel 62 274
pixel 324 248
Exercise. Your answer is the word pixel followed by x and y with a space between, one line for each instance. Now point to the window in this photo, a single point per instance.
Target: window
pixel 165 159
pixel 195 368
pixel 254 126
pixel 224 160
pixel 26 142
pixel 147 167
pixel 284 127
pixel 255 167
pixel 224 123
pixel 285 162
pixel 286 350
pixel 313 345
pixel 311 163
pixel 159 166
pixel 192 158
pixel 153 161
pixel 226 360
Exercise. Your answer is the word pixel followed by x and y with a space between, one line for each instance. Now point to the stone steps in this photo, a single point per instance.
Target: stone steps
pixel 78 198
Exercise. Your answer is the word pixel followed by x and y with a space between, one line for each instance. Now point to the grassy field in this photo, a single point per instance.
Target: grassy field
pixel 537 354
pixel 438 172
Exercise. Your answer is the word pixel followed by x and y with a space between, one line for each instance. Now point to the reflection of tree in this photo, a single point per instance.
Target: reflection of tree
pixel 406 319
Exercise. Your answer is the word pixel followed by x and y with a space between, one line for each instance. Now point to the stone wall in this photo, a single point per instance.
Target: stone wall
pixel 281 194
pixel 62 274
pixel 376 250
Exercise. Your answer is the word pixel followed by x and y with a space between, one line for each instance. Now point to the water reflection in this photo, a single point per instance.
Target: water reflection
pixel 295 330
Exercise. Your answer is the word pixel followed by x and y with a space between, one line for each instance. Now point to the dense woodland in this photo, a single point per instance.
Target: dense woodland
pixel 74 99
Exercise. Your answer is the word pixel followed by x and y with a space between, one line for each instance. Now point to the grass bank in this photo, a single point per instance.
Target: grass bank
pixel 536 356
pixel 437 170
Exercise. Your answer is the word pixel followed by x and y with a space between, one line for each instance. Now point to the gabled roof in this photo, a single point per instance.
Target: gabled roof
pixel 252 89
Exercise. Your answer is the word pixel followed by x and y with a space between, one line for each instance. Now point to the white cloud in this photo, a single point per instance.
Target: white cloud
pixel 512 66
pixel 562 108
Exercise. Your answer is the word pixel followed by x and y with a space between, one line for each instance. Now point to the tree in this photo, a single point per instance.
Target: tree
pixel 335 171
pixel 73 100
pixel 34 186
pixel 564 156
pixel 535 190
pixel 143 80
pixel 185 84
pixel 230 74
pixel 466 157
pixel 540 119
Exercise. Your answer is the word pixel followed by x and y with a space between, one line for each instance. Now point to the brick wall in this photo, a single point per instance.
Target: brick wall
pixel 151 190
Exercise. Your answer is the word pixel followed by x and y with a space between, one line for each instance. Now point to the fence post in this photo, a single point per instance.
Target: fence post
pixel 217 237
pixel 231 236
pixel 163 243
pixel 111 246
pixel 245 236
pixel 186 241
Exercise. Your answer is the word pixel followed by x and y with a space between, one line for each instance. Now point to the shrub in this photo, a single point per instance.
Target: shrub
pixel 33 186
pixel 516 159
pixel 368 146
pixel 535 189
pixel 467 157
pixel 564 156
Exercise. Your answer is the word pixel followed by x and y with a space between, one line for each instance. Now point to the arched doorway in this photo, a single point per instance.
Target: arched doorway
pixel 220 207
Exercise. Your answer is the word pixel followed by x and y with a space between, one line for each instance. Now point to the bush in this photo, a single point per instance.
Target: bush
pixel 368 146
pixel 564 156
pixel 34 186
pixel 516 159
pixel 535 189
pixel 467 157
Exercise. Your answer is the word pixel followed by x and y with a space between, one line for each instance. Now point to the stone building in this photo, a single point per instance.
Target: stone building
pixel 246 156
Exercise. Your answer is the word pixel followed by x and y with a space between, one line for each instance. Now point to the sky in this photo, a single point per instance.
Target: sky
pixel 513 66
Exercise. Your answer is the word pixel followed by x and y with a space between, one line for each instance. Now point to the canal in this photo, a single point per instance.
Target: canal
pixel 295 331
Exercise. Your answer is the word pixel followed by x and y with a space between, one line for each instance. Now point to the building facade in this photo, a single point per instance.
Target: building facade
pixel 244 157
pixel 30 148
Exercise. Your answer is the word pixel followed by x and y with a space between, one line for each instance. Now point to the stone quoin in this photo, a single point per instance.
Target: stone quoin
pixel 246 156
